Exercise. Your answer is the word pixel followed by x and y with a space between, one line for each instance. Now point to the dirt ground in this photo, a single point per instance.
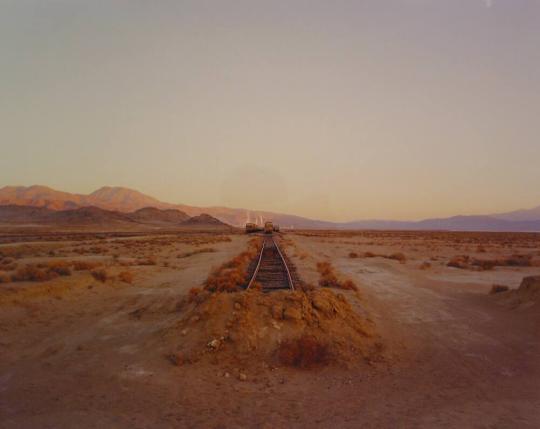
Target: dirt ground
pixel 76 351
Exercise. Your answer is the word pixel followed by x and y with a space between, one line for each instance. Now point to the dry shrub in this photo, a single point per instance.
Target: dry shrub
pixel 197 251
pixel 459 261
pixel 349 285
pixel 126 277
pixel 484 264
pixel 232 275
pixel 85 265
pixel 329 277
pixel 481 249
pixel 62 268
pixel 4 278
pixel 151 260
pixel 519 261
pixel 8 264
pixel 425 265
pixel 304 287
pixel 465 262
pixel 303 352
pixel 369 255
pixel 256 286
pixel 8 267
pixel 193 293
pixel 100 275
pixel 353 255
pixel 498 289
pixel 31 273
pixel 400 257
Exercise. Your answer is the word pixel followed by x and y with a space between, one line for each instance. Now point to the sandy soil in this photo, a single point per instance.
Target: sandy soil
pixel 76 352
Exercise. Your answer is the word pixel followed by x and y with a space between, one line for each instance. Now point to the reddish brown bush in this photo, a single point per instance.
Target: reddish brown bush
pixel 8 267
pixel 196 252
pixel 8 264
pixel 230 276
pixel 353 255
pixel 488 264
pixel 349 285
pixel 328 277
pixel 369 255
pixel 425 265
pixel 459 261
pixel 303 352
pixel 31 273
pixel 484 264
pixel 126 277
pixel 193 293
pixel 100 275
pixel 59 267
pixel 4 278
pixel 498 289
pixel 85 265
pixel 519 261
pixel 398 257
pixel 147 261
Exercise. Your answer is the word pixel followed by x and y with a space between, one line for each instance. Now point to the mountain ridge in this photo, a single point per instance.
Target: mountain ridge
pixel 126 200
pixel 92 215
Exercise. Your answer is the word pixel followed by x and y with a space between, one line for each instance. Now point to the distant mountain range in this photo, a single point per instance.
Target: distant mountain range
pixel 148 217
pixel 137 207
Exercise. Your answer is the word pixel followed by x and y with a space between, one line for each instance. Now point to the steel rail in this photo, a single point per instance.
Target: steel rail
pixel 283 261
pixel 257 267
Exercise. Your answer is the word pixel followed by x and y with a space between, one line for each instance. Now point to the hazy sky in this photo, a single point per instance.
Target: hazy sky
pixel 336 110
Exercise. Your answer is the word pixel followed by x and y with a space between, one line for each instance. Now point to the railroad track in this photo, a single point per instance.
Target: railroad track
pixel 271 270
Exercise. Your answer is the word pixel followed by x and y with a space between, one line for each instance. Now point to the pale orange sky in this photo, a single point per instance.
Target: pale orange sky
pixel 336 110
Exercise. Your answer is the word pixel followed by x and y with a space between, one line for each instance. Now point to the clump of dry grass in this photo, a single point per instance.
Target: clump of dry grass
pixel 498 289
pixel 232 275
pixel 100 275
pixel 196 252
pixel 329 278
pixel 62 268
pixel 126 277
pixel 31 273
pixel 85 265
pixel 425 265
pixel 353 255
pixel 4 278
pixel 400 257
pixel 8 264
pixel 194 292
pixel 348 285
pixel 459 261
pixel 151 260
pixel 519 261
pixel 303 352
pixel 466 262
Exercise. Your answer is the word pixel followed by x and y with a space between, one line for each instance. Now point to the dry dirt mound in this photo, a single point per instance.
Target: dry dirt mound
pixel 301 329
pixel 526 295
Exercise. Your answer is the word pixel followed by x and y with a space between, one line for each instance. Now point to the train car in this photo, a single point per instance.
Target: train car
pixel 251 227
pixel 268 227
pixel 276 228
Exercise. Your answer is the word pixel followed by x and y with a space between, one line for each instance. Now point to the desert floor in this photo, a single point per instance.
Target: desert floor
pixel 84 350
